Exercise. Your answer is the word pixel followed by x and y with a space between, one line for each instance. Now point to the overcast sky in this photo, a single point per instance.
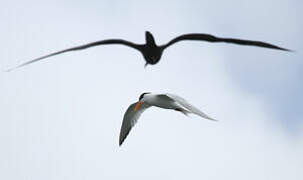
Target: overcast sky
pixel 60 118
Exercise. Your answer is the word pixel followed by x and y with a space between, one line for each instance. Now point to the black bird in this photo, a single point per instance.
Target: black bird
pixel 152 52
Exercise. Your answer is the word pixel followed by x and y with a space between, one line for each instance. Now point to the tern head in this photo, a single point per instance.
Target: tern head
pixel 141 100
pixel 142 95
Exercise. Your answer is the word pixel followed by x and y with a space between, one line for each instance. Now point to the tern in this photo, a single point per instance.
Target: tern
pixel 152 52
pixel 146 100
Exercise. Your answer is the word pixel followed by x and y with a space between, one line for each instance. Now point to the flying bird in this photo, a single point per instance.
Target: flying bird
pixel 165 101
pixel 152 52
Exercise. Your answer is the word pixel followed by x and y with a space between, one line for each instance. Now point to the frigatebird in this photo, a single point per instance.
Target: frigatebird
pixel 152 52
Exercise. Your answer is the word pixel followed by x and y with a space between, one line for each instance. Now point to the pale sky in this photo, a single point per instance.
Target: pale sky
pixel 61 117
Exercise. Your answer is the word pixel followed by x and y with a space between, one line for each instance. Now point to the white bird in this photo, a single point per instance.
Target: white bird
pixel 146 100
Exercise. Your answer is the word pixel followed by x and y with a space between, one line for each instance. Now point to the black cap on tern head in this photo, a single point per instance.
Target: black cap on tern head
pixel 142 95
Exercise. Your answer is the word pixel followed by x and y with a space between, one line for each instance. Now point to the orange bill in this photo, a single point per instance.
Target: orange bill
pixel 138 105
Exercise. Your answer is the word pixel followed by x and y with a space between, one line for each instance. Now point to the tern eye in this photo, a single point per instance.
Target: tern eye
pixel 141 96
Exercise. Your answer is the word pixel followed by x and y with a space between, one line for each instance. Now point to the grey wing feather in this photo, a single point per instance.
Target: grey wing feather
pixel 188 106
pixel 130 119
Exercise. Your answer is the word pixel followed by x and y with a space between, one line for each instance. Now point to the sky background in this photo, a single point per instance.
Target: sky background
pixel 60 118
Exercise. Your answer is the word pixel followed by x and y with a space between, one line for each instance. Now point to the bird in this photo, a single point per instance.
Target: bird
pixel 165 101
pixel 152 52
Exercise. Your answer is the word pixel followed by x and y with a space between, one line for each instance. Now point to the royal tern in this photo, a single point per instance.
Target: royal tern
pixel 152 52
pixel 146 100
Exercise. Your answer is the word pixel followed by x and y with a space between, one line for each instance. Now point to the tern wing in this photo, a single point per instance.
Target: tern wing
pixel 211 38
pixel 85 46
pixel 130 119
pixel 190 108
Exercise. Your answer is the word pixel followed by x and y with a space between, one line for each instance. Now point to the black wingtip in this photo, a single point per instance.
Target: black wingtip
pixel 215 120
pixel 19 66
pixel 288 50
pixel 121 142
pixel 279 48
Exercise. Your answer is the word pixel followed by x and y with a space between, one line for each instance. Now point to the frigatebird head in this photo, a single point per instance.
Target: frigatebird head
pixel 149 38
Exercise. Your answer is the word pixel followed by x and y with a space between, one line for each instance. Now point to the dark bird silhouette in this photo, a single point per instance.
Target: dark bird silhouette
pixel 152 52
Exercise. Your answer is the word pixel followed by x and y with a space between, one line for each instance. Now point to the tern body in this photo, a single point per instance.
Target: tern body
pixel 152 52
pixel 165 101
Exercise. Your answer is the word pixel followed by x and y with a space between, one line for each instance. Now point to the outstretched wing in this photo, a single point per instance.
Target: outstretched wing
pixel 130 119
pixel 181 101
pixel 211 38
pixel 85 46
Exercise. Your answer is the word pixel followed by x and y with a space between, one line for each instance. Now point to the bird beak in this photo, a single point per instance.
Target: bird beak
pixel 145 65
pixel 138 105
